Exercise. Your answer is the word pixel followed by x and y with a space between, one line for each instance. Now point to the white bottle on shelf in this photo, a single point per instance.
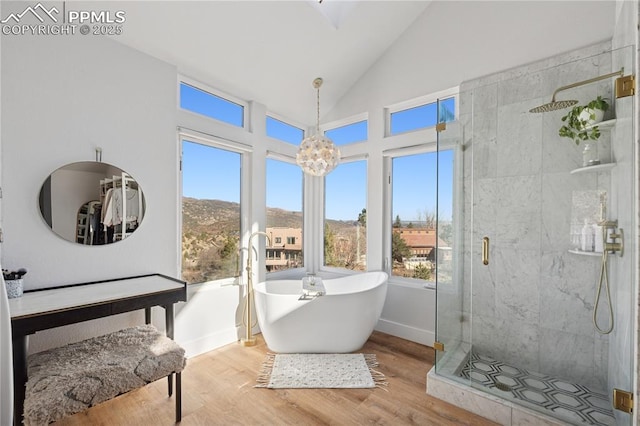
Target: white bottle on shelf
pixel 586 237
pixel 598 242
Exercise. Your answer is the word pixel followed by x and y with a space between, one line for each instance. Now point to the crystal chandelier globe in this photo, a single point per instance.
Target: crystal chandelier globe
pixel 317 155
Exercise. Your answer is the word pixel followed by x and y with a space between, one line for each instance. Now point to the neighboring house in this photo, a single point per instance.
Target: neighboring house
pixel 284 248
pixel 422 243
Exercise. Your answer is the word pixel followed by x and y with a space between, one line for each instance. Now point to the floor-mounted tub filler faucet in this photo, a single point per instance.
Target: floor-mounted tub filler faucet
pixel 247 320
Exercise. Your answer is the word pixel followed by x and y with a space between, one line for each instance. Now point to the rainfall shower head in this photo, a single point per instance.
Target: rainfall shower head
pixel 553 105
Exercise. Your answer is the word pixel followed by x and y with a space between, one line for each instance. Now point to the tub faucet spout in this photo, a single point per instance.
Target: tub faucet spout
pixel 249 340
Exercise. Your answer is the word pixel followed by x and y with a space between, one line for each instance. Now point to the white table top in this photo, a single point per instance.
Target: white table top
pixel 38 302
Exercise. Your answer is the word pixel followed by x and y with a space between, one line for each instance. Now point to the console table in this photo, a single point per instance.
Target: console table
pixel 54 307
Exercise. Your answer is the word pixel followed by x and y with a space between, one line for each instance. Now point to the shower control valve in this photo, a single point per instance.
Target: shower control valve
pixel 613 237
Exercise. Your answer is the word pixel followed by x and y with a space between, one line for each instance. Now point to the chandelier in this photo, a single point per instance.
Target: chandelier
pixel 317 155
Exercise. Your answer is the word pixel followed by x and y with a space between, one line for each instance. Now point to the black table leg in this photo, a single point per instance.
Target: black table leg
pixel 168 320
pixel 178 398
pixel 19 376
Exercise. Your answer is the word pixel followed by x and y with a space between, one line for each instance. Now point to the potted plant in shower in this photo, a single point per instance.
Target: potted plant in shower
pixel 580 126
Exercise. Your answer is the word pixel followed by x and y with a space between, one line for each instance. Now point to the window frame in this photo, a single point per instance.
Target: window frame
pixel 245 181
pixel 287 121
pixel 215 92
pixel 453 92
pixel 305 226
pixel 430 146
pixel 320 254
pixel 332 125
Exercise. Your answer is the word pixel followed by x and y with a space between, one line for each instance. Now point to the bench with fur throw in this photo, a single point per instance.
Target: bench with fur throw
pixel 69 379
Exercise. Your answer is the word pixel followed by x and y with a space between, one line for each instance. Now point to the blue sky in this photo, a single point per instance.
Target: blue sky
pixel 212 173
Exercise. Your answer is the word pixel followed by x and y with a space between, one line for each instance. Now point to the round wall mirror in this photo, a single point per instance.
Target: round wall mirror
pixel 92 203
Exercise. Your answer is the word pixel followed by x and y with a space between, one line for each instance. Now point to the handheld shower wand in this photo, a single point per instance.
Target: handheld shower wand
pixel 608 233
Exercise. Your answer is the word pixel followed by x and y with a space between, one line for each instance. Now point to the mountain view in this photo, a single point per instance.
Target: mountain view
pixel 210 234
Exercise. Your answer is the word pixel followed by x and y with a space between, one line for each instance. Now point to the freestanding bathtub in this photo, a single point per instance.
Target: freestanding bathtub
pixel 338 322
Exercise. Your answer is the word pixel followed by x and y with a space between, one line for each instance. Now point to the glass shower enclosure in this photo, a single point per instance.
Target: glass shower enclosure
pixel 519 285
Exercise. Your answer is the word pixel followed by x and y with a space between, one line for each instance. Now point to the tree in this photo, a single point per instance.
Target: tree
pixel 362 217
pixel 397 223
pixel 422 272
pixel 399 248
pixel 429 219
pixel 229 257
pixel 329 246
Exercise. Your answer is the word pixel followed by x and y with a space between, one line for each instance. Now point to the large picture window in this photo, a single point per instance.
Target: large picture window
pixel 210 212
pixel 415 239
pixel 345 219
pixel 284 216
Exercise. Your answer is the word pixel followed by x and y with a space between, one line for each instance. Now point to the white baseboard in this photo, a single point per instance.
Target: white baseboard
pixel 418 335
pixel 209 342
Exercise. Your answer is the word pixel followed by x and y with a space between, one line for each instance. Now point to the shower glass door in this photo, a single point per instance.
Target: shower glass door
pixel 450 316
pixel 516 322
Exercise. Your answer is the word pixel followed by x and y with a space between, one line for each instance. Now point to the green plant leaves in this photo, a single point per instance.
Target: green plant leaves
pixel 575 126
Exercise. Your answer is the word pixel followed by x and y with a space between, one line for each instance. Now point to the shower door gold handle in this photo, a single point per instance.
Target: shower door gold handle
pixel 485 251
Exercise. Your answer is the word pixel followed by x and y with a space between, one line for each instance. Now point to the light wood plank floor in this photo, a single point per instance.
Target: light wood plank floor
pixel 218 390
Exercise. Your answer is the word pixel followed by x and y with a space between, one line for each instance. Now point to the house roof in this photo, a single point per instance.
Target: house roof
pixel 420 237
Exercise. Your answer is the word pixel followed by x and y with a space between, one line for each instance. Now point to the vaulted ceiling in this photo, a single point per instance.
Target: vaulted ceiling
pixel 270 51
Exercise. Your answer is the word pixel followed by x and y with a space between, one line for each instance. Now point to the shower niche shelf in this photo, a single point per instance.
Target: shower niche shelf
pixel 603 125
pixel 594 169
pixel 586 253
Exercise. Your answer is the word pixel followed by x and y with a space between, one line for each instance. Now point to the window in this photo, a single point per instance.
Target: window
pixel 210 212
pixel 285 132
pixel 354 132
pixel 422 116
pixel 345 218
pixel 210 105
pixel 284 215
pixel 414 189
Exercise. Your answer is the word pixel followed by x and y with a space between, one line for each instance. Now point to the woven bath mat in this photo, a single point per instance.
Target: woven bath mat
pixel 308 371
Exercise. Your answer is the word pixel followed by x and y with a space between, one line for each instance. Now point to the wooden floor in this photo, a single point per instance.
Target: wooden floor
pixel 218 389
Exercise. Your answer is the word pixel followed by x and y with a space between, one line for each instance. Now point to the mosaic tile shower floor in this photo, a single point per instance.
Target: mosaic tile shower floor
pixel 568 401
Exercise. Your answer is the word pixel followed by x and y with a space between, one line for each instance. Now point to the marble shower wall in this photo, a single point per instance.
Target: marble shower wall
pixel 532 305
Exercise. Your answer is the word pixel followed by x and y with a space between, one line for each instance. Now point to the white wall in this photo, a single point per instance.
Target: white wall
pixel 455 41
pixel 409 312
pixel 61 98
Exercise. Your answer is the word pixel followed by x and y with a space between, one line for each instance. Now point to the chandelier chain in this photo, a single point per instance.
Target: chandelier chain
pixel 318 111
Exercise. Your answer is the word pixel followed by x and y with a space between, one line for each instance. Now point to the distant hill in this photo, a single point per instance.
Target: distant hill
pixel 220 217
pixel 210 234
